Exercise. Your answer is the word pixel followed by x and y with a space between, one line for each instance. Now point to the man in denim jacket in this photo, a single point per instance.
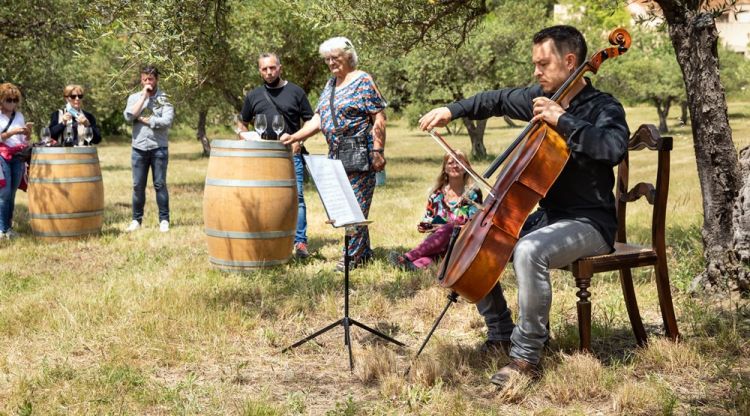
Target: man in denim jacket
pixel 151 114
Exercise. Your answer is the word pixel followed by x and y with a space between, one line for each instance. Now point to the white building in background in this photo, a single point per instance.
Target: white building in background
pixel 733 26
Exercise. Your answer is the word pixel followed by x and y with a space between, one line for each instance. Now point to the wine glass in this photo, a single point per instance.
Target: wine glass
pixel 45 136
pixel 278 125
pixel 88 135
pixel 260 124
pixel 236 120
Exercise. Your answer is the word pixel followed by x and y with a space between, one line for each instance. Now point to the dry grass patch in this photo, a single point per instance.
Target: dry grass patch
pixel 375 364
pixel 676 358
pixel 577 377
pixel 642 398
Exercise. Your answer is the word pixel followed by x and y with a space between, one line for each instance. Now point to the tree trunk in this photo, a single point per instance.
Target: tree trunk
pixel 694 37
pixel 476 134
pixel 741 221
pixel 201 132
pixel 662 108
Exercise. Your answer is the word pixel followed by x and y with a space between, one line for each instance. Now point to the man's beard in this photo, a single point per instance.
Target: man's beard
pixel 273 84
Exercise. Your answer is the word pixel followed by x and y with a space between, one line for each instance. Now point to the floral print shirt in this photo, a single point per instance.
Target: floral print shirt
pixel 440 211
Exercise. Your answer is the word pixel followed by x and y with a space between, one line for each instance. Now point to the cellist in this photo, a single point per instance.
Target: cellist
pixel 577 216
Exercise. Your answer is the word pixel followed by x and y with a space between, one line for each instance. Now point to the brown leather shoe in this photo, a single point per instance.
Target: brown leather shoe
pixel 516 366
pixel 493 347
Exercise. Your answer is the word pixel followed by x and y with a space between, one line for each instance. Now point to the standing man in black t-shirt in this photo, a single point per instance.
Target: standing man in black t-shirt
pixel 279 96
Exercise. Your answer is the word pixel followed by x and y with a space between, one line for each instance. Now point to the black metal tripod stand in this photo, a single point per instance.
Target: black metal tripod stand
pixel 346 321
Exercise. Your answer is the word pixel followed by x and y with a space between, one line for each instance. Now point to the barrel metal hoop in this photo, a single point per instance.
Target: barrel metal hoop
pixel 62 150
pixel 249 144
pixel 259 263
pixel 65 161
pixel 67 233
pixel 66 180
pixel 280 155
pixel 285 183
pixel 243 235
pixel 66 216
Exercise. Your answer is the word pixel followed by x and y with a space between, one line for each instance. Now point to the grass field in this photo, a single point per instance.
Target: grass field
pixel 142 324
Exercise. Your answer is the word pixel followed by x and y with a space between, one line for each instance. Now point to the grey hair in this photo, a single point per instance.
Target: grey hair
pixel 269 55
pixel 343 44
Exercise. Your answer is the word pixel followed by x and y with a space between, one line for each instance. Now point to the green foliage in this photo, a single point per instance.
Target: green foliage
pixel 647 73
pixel 395 26
pixel 36 55
pixel 497 54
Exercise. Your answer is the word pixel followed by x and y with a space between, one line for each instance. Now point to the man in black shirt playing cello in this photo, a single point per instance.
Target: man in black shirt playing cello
pixel 577 216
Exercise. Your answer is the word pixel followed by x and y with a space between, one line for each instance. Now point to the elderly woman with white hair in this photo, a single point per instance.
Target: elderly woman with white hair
pixel 350 113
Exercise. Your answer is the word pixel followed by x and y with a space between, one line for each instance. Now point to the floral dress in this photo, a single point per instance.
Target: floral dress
pixel 439 211
pixel 354 104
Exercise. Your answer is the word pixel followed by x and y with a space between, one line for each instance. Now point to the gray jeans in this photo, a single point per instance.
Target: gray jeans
pixel 537 252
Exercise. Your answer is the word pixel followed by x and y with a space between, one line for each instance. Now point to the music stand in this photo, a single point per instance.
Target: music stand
pixel 338 197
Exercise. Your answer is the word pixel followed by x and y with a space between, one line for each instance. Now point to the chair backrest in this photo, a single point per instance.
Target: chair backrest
pixel 646 137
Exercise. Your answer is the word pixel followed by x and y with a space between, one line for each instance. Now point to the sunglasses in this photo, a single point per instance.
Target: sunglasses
pixel 74 96
pixel 12 100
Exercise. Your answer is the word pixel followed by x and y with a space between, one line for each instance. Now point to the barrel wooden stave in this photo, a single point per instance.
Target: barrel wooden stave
pixel 66 193
pixel 250 204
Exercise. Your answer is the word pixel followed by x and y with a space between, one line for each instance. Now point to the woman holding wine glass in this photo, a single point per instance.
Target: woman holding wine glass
pixel 350 113
pixel 68 124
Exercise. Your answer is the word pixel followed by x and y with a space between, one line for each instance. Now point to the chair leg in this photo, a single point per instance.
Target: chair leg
pixel 584 312
pixel 628 292
pixel 665 299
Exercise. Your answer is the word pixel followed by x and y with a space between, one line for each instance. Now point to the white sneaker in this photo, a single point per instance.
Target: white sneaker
pixel 164 226
pixel 134 225
pixel 10 234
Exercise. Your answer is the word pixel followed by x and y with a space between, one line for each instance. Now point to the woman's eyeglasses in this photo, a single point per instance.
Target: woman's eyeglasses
pixel 12 100
pixel 74 96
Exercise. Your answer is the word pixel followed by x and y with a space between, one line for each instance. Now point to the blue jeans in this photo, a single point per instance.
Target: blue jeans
pixel 12 172
pixel 549 247
pixel 141 161
pixel 299 169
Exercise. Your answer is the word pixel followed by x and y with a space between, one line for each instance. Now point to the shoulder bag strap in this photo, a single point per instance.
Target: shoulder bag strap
pixel 333 111
pixel 273 103
pixel 10 121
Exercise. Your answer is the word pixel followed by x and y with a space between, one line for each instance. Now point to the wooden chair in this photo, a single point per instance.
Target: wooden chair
pixel 627 256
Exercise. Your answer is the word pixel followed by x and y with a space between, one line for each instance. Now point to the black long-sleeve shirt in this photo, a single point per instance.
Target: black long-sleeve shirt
pixel 596 132
pixel 56 129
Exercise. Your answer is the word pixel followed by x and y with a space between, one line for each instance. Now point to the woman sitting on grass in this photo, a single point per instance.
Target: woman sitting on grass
pixel 446 207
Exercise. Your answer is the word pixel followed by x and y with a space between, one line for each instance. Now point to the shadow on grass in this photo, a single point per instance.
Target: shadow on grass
pixel 191 156
pixel 187 188
pixel 116 168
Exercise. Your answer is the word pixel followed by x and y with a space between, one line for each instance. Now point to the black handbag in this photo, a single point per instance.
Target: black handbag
pixel 350 150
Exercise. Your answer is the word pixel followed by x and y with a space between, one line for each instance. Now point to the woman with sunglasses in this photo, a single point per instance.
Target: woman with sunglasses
pixel 74 118
pixel 13 139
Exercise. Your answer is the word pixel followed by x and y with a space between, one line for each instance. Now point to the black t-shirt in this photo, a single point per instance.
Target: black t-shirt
pixel 290 99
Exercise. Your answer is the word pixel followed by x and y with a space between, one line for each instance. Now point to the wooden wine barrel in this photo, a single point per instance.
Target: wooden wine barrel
pixel 66 193
pixel 249 204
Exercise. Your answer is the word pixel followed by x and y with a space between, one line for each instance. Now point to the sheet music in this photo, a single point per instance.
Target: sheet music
pixel 335 190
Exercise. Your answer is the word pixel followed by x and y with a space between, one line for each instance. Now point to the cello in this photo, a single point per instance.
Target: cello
pixel 537 157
